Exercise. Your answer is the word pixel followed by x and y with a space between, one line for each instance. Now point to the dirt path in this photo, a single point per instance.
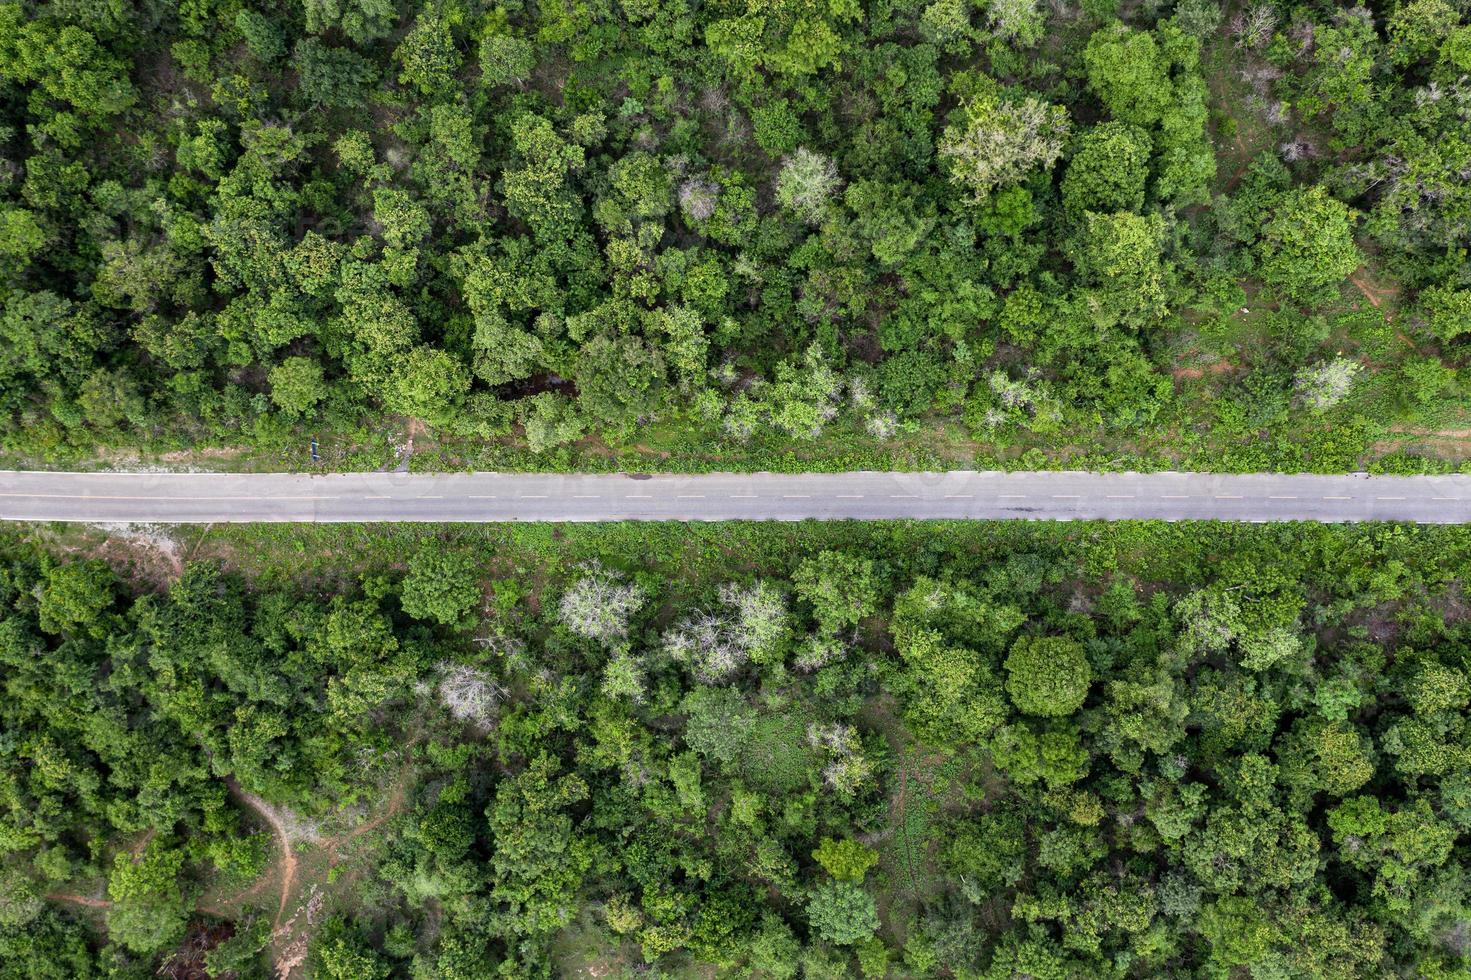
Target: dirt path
pixel 899 815
pixel 70 899
pixel 1376 295
pixel 415 428
pixel 287 860
pixel 391 808
pixel 1444 434
pixel 1193 373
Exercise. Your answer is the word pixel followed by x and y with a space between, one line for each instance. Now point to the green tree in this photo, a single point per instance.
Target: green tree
pixel 1047 675
pixel 150 904
pixel 1108 171
pixel 720 724
pixel 845 860
pixel 296 385
pixel 1120 256
pixel 74 597
pixel 995 141
pixel 987 853
pixel 428 384
pixel 1332 757
pixel 1307 246
pixel 67 64
pixel 892 218
pixel 442 585
pixel 619 380
pixel 540 858
pixel 363 21
pixel 330 77
pixel 1128 72
pixel 840 912
pixel 841 588
pixel 505 60
pixel 261 36
pixel 339 953
pixel 1448 311
pixel 536 187
pixel 1238 930
pixel 428 55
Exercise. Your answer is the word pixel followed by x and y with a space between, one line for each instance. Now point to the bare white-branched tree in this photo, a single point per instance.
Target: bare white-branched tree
pixel 698 198
pixel 715 646
pixel 1021 21
pixel 882 424
pixel 806 183
pixel 599 604
pixel 848 769
pixel 1253 27
pixel 760 617
pixel 817 651
pixel 706 644
pixel 1323 385
pixel 469 693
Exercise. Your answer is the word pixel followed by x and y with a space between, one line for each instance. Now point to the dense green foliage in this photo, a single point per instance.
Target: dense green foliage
pixel 744 224
pixel 991 751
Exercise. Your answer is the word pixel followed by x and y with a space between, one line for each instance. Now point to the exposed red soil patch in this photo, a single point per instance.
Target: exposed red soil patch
pixel 83 900
pixel 1376 295
pixel 1193 373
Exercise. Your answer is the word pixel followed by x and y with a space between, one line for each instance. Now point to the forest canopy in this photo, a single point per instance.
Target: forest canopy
pixel 833 226
pixel 886 750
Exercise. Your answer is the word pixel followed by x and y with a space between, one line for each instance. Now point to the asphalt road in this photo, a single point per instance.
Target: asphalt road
pixel 175 498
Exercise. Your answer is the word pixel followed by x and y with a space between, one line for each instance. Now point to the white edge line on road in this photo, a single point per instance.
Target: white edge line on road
pixel 101 496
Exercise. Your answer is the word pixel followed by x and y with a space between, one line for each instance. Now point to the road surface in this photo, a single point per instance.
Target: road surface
pixel 175 498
